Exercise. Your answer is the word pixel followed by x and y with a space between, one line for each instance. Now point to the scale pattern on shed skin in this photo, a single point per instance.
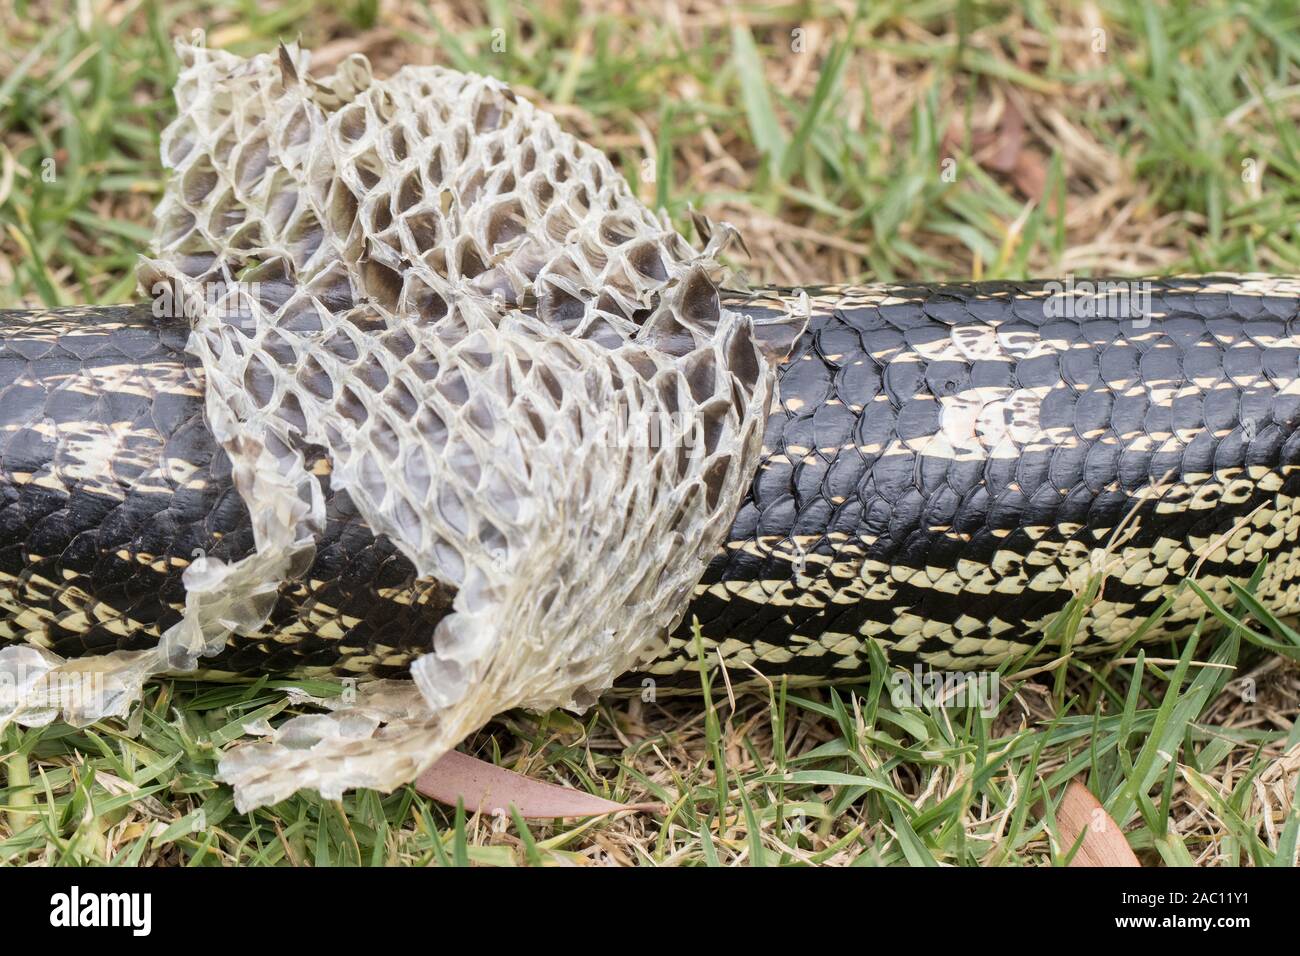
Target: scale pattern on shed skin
pixel 110 483
pixel 945 466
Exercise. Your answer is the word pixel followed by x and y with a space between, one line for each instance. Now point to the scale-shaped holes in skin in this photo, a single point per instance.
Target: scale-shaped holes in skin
pixel 300 317
pixel 506 184
pixel 715 479
pixel 542 190
pixel 425 230
pixel 280 349
pixel 611 306
pixel 453 387
pixel 505 224
pixel 435 166
pixel 352 124
pixel 416 472
pixel 643 364
pixel 277 445
pixel 237 310
pixel 646 259
pixel 559 309
pixel 227 215
pixel 553 390
pixel 381 214
pixel 470 262
pixel 225 145
pixel 460 459
pixel 701 374
pixel 315 379
pixel 603 334
pixel 700 307
pixel 423 301
pixel 282 201
pixel 220 105
pixel 436 260
pixel 616 230
pixel 305 238
pixel 714 422
pixel 742 358
pixel 451 509
pixel 351 407
pixel 432 429
pixel 495 284
pixel 459 145
pixel 480 416
pixel 500 495
pixel 488 115
pixel 408 518
pixel 180 142
pixel 395 140
pixel 381 283
pixel 385 438
pixel 580 199
pixel 233 342
pixel 199 181
pixel 372 479
pixel 493 541
pixel 451 566
pixel 536 421
pixel 423 364
pixel 476 352
pixel 667 387
pixel 367 321
pixel 372 375
pixel 687 451
pixel 196 264
pixel 341 346
pixel 401 400
pixel 247 238
pixel 259 381
pixel 274 282
pixel 668 335
pixel 252 163
pixel 411 193
pixel 560 224
pixel 577 417
pixel 298 129
pixel 527 158
pixel 593 253
pixel 398 342
pixel 290 411
pixel 342 208
pixel 340 446
pixel 506 384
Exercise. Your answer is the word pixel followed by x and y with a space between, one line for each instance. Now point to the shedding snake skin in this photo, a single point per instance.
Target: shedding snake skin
pixel 945 467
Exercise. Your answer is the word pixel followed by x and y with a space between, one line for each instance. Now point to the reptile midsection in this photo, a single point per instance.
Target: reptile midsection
pixel 945 467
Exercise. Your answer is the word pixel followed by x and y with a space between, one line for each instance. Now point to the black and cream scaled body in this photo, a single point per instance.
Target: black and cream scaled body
pixel 946 465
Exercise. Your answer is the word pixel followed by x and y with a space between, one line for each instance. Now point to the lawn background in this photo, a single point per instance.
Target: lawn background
pixel 926 140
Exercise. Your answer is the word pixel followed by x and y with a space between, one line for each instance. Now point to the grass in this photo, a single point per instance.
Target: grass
pixel 934 139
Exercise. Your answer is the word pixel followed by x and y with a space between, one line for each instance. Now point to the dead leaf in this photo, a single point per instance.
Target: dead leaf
pixel 1004 150
pixel 1103 842
pixel 486 788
